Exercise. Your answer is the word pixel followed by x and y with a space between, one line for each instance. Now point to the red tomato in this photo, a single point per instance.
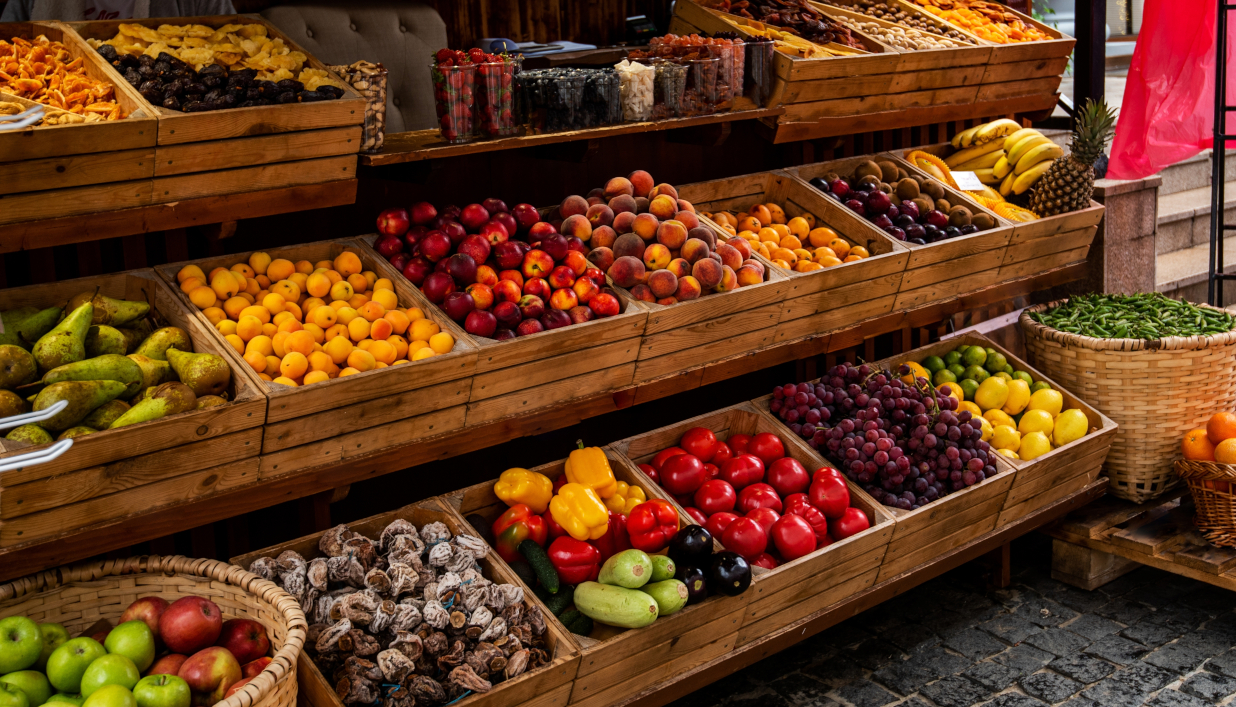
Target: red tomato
pixel 724 454
pixel 823 540
pixel 765 517
pixel 851 522
pixel 682 474
pixel 793 537
pixel 718 522
pixel 685 499
pixel 701 442
pixel 738 443
pixel 742 471
pixel 745 537
pixel 759 496
pixel 798 504
pixel 767 446
pixel 715 496
pixel 696 515
pixel 826 472
pixel 830 496
pixel 788 476
pixel 711 471
pixel 648 470
pixel 664 454
pixel 764 560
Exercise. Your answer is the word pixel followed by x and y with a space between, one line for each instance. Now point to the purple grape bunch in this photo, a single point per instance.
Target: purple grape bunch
pixel 904 444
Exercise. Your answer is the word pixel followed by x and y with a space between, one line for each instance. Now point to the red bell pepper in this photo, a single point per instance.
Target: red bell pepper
pixel 615 539
pixel 652 524
pixel 554 530
pixel 575 560
pixel 519 523
pixel 560 482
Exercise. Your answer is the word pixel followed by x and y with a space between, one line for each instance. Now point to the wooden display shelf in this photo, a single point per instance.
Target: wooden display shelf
pixel 273 487
pixel 420 145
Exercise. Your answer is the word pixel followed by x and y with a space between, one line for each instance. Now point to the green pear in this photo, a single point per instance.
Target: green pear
pixel 103 339
pixel 133 336
pixel 168 399
pixel 66 342
pixel 156 345
pixel 153 372
pixel 110 311
pixel 211 401
pixel 105 414
pixel 30 434
pixel 22 327
pixel 17 366
pixel 109 367
pixel 79 431
pixel 11 404
pixel 205 374
pixel 83 397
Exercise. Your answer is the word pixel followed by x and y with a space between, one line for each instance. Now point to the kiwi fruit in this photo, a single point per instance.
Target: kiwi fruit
pixel 924 204
pixel 901 173
pixel 932 188
pixel 959 216
pixel 943 206
pixel 868 168
pixel 889 170
pixel 871 179
pixel 907 189
pixel 886 187
pixel 983 221
pixel 831 177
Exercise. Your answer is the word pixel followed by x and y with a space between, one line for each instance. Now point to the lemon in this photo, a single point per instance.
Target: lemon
pixel 991 393
pixel 1005 437
pixel 1008 453
pixel 999 417
pixel 988 430
pixel 1048 400
pixel 1035 421
pixel 1033 446
pixel 951 389
pixel 974 356
pixel 975 410
pixel 915 371
pixel 1019 396
pixel 1070 425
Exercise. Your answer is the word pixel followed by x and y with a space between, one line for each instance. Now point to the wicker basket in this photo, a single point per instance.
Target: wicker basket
pixel 1213 487
pixel 1155 390
pixel 78 596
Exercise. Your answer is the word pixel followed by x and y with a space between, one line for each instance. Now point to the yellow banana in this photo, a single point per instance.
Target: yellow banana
pixel 962 138
pixel 1006 187
pixel 1018 137
pixel 985 176
pixel 1003 167
pixel 1020 148
pixel 1038 155
pixel 971 153
pixel 1027 179
pixel 987 161
pixel 995 129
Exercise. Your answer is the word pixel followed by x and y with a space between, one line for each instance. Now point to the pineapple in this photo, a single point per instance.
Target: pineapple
pixel 1069 182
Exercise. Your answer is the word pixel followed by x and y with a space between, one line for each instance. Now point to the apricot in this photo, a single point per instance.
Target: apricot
pixel 624 222
pixel 623 203
pixel 645 226
pixel 442 342
pixel 338 348
pixel 656 257
pixel 358 328
pixel 663 283
pixel 663 207
pixel 279 269
pixel 388 300
pixel 214 314
pixel 577 225
pixel 602 237
pixel 305 267
pixel 357 281
pixel 629 244
pixel 361 360
pixel 730 257
pixel 641 182
pixel 357 301
pixel 643 293
pixel 248 327
pixel 382 352
pixel 346 264
pixel 688 287
pixel 294 365
pixel 224 285
pixel 341 291
pixel 189 271
pixel 603 257
pixel 332 276
pixel 371 311
pixel 399 321
pixel 261 344
pixel 287 288
pixel 423 354
pixel 680 267
pixel 422 329
pixel 256 361
pixel 299 341
pixel 289 325
pixel 627 271
pixel 671 234
pixel 236 342
pixel 401 346
pixel 664 190
pixel 747 276
pixel 573 205
pixel 203 297
pixel 192 283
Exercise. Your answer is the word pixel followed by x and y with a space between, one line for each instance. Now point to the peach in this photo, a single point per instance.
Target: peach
pixel 645 226
pixel 627 271
pixel 747 276
pixel 663 283
pixel 622 203
pixel 730 257
pixel 597 192
pixel 664 189
pixel 643 293
pixel 708 272
pixel 577 225
pixel 663 207
pixel 688 288
pixel 594 200
pixel 573 205
pixel 641 182
pixel 641 204
pixel 667 301
pixel 729 281
pixel 684 205
pixel 629 244
pixel 705 234
pixel 680 267
pixel 741 245
pixel 693 250
pixel 600 215
pixel 603 237
pixel 753 263
pixel 657 257
pixel 624 222
pixel 618 186
pixel 688 219
pixel 603 257
pixel 672 234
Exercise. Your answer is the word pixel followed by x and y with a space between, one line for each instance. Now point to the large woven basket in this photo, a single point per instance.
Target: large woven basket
pixel 1213 487
pixel 1155 390
pixel 77 596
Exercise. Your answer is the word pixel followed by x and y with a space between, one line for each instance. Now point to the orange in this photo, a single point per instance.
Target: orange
pixel 1197 446
pixel 1225 453
pixel 1222 426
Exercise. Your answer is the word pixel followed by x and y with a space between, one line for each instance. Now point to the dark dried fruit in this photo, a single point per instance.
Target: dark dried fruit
pixel 310 97
pixel 291 85
pixel 330 92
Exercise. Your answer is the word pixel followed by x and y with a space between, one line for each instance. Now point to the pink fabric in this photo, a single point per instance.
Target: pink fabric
pixel 1168 110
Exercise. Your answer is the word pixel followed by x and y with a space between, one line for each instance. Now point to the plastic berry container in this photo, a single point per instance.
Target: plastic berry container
pixel 668 86
pixel 454 97
pixel 758 82
pixel 495 98
pixel 700 95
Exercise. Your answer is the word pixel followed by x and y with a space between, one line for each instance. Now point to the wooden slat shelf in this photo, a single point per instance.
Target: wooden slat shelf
pixel 276 485
pixel 428 144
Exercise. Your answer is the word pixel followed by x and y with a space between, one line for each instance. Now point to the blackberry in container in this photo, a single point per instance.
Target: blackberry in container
pixel 556 100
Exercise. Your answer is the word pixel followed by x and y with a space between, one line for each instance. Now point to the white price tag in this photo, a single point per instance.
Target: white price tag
pixel 967 181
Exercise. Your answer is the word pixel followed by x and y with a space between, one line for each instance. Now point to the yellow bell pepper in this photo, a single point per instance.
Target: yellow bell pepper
pixel 580 512
pixel 517 486
pixel 625 498
pixel 589 467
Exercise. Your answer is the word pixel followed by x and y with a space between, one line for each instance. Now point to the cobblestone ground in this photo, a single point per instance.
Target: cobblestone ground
pixel 1148 638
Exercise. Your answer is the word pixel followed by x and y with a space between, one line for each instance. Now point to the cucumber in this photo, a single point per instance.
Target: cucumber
pixel 663 568
pixel 557 603
pixel 629 568
pixel 541 594
pixel 670 595
pixel 525 573
pixel 545 572
pixel 616 606
pixel 576 623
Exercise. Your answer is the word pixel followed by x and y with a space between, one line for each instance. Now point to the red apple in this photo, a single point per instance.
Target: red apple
pixel 435 246
pixel 148 609
pixel 393 222
pixel 555 245
pixel 529 326
pixel 555 318
pixel 437 286
pixel 473 216
pixel 495 206
pixel 170 664
pixel 190 624
pixel 537 263
pixel 417 269
pixel 539 230
pixel 561 277
pixel 455 231
pixel 539 287
pixel 458 305
pixel 531 306
pixel 495 232
pixel 505 220
pixel 476 247
pixel 508 254
pixel 245 638
pixel 236 687
pixel 423 212
pixel 581 314
pixel 389 245
pixel 210 671
pixel 604 305
pixel 525 215
pixel 462 267
pixel 481 323
pixel 508 314
pixel 253 668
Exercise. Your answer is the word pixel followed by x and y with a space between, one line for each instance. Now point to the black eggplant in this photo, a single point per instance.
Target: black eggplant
pixel 691 547
pixel 729 574
pixel 697 586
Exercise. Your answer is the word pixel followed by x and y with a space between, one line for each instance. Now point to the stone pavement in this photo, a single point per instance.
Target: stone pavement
pixel 1148 638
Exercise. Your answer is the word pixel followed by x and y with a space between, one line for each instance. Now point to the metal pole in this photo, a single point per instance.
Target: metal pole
pixel 1089 54
pixel 1218 159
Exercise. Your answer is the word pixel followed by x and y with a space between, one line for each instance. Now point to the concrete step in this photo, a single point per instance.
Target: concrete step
pixel 1184 217
pixel 1193 173
pixel 1184 272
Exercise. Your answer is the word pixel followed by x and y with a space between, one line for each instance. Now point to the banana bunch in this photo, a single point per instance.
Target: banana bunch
pixel 1029 154
pixel 985 133
pixel 1003 154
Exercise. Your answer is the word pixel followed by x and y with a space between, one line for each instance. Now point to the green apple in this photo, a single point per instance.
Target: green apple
pixel 20 644
pixel 76 700
pixel 111 696
pixel 12 696
pixel 133 640
pixel 111 669
pixel 162 691
pixel 54 635
pixel 67 664
pixel 31 682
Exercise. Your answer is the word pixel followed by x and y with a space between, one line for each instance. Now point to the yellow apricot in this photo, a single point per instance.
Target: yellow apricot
pixel 423 353
pixel 294 365
pixel 284 380
pixel 262 344
pixel 227 326
pixel 349 371
pixel 300 342
pixel 278 343
pixel 203 297
pixel 256 360
pixel 280 269
pixel 259 261
pixel 401 346
pixel 347 263
pixel 338 348
pixel 381 283
pixel 361 360
pixel 189 271
pixel 380 329
pixel 422 329
pixel 442 342
pixel 336 331
pixel 382 352
pixel 387 298
pixel 318 285
pixel 358 328
pixel 257 311
pixel 358 282
pixel 190 284
pixel 269 329
pixel 275 302
pixel 342 291
pixel 399 321
pixel 316 377
pixel 318 334
pixel 214 315
pixel 248 327
pixel 324 317
pixel 236 342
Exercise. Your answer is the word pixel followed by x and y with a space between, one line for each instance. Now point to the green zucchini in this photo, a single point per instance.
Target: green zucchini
pixel 545 572
pixel 616 606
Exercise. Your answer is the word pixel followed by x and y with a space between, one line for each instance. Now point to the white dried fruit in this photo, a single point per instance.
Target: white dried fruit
pixel 395 665
pixel 472 544
pixel 481 617
pixel 436 532
pixel 440 554
pixel 496 628
pixel 435 614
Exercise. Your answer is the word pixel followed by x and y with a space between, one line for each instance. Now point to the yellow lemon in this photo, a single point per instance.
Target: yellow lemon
pixel 1033 446
pixel 953 390
pixel 1070 425
pixel 915 371
pixel 992 393
pixel 988 430
pixel 999 417
pixel 1019 396
pixel 968 406
pixel 1048 400
pixel 1035 421
pixel 1006 437
pixel 1008 453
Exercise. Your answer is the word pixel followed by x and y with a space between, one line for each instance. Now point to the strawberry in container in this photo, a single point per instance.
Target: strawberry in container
pixel 495 98
pixel 454 81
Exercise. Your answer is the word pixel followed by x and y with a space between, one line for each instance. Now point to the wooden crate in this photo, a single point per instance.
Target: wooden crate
pixel 111 474
pixel 543 370
pixel 975 55
pixel 1061 44
pixel 547 686
pixel 1060 472
pixel 359 414
pixel 825 299
pixel 618 663
pixel 796 589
